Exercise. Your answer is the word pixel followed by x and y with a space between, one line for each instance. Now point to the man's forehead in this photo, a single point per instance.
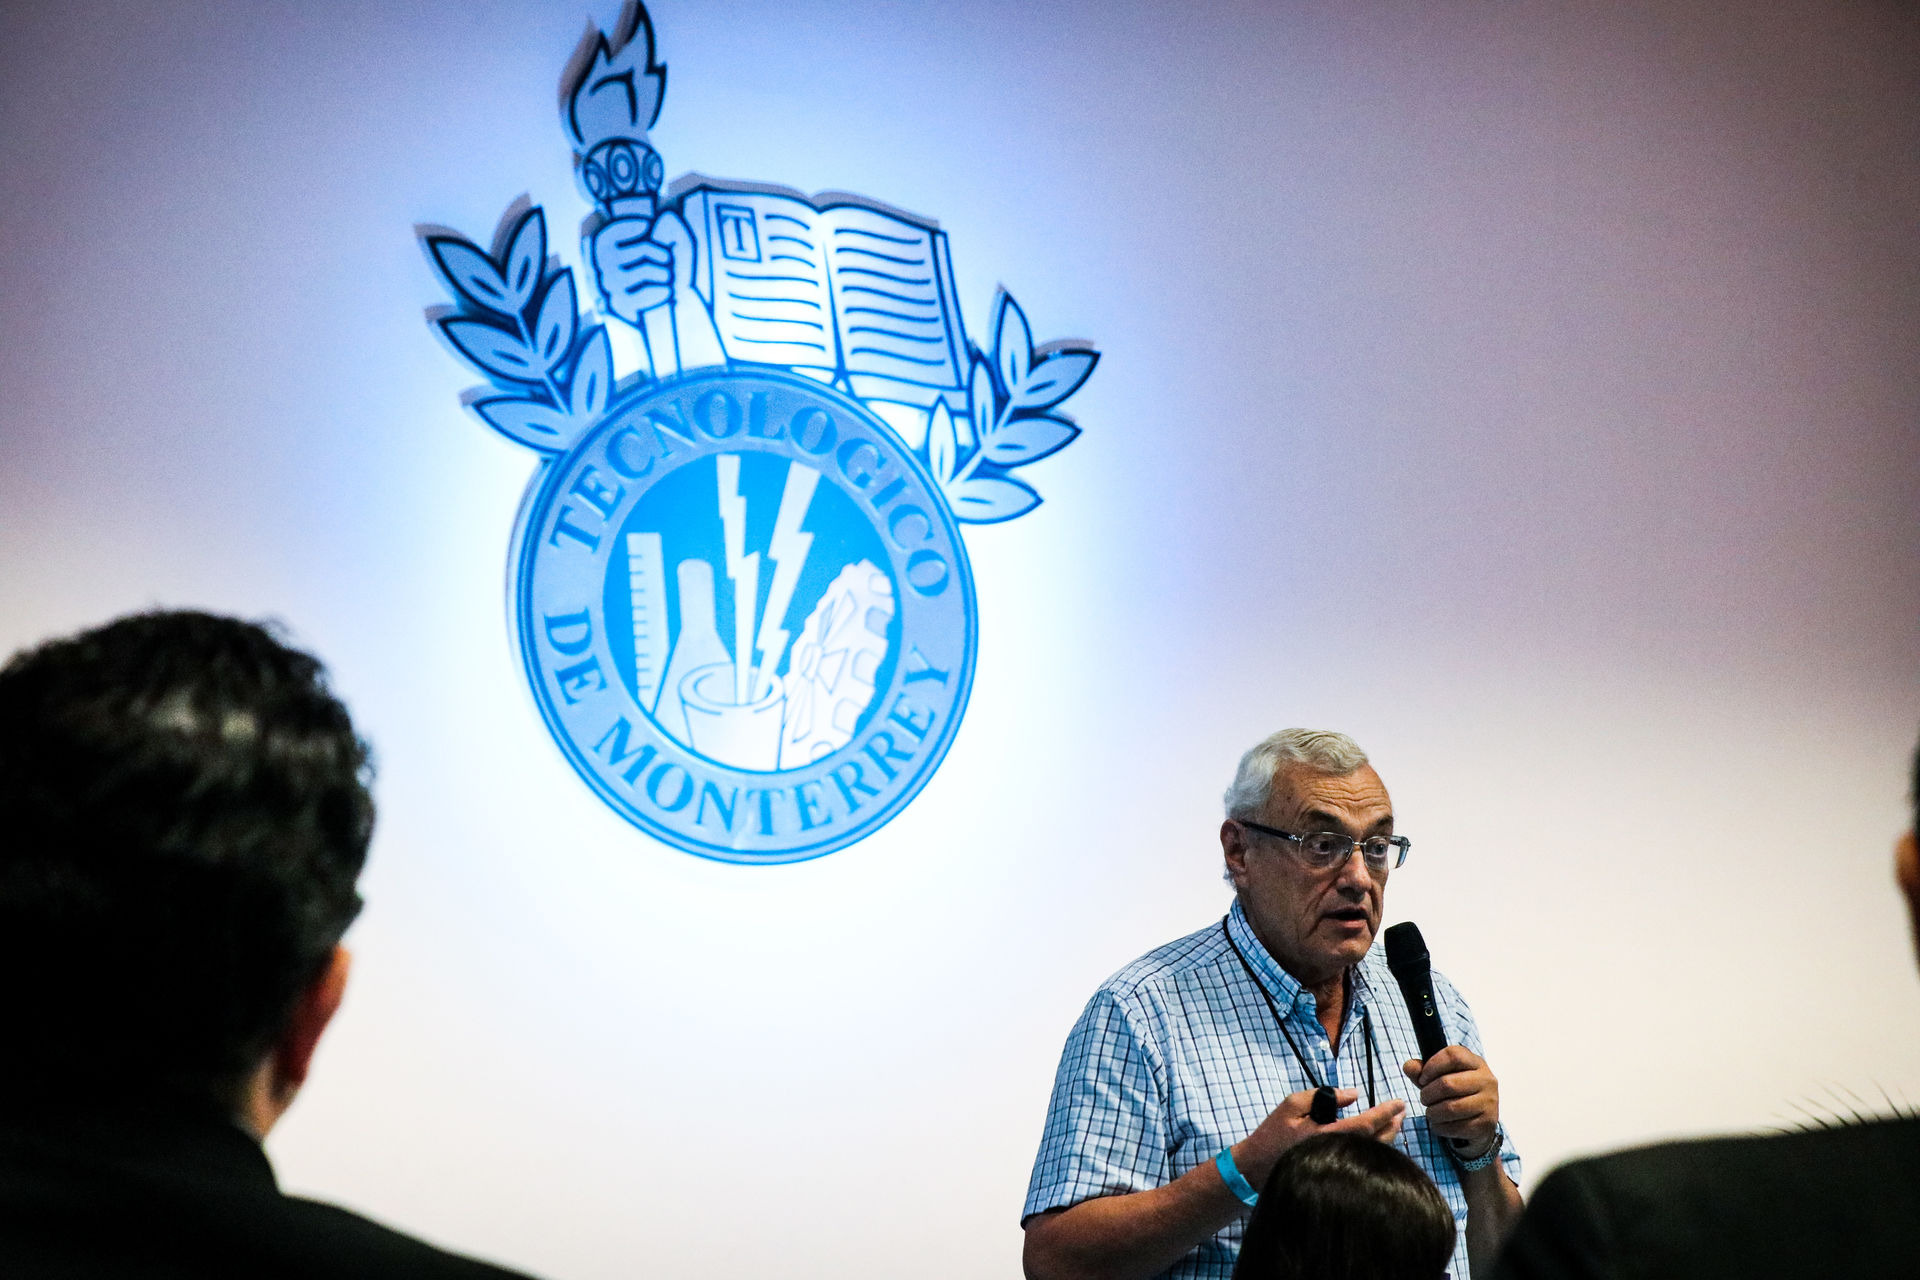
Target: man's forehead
pixel 1300 789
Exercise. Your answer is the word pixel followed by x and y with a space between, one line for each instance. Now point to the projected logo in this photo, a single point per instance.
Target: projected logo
pixel 739 589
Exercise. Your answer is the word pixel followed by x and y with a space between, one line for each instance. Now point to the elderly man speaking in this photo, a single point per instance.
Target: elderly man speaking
pixel 1195 1066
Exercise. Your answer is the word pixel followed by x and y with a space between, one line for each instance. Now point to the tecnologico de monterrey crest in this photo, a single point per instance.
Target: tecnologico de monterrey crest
pixel 739 589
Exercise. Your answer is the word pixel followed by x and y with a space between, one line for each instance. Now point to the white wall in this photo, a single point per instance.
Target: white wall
pixel 1527 388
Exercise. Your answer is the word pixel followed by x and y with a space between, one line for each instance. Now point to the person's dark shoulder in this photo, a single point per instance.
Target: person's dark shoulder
pixel 1840 1202
pixel 325 1240
pixel 1800 1168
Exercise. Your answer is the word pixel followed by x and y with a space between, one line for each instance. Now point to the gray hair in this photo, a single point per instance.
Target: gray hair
pixel 1321 749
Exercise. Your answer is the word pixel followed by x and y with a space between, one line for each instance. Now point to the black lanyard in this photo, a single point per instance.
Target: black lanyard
pixel 1366 1020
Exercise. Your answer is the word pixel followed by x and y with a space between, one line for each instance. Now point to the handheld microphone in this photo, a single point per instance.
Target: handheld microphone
pixel 1412 968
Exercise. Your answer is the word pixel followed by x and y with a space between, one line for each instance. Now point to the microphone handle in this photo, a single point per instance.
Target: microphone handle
pixel 1416 985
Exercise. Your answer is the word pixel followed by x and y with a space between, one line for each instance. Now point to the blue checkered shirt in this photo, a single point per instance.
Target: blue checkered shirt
pixel 1177 1056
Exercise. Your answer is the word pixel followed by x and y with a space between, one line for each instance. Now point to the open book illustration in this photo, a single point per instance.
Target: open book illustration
pixel 859 295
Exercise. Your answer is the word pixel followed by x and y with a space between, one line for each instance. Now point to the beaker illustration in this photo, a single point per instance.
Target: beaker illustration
pixel 744 736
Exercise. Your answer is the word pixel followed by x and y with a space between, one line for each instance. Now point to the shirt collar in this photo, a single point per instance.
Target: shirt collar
pixel 189 1139
pixel 1285 989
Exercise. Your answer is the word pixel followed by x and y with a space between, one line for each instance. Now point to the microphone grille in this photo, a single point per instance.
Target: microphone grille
pixel 1406 949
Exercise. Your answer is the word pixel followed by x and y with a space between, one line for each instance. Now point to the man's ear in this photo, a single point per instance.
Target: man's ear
pixel 293 1055
pixel 1906 870
pixel 1233 845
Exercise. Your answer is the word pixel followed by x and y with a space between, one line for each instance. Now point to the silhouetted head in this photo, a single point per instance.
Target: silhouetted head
pixel 183 814
pixel 1338 1206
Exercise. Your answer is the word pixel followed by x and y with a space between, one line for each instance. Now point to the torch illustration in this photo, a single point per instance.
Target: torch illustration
pixel 614 99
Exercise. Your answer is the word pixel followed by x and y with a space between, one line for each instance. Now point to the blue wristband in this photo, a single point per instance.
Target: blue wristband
pixel 1236 1182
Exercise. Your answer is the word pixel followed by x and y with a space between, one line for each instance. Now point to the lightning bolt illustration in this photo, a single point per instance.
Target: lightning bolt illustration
pixel 788 551
pixel 742 568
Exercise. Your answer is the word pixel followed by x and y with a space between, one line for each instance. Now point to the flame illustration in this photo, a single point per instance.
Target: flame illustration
pixel 618 88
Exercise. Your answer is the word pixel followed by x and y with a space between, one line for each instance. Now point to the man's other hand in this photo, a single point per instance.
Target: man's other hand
pixel 1289 1122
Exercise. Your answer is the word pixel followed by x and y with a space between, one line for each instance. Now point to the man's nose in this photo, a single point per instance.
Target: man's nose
pixel 1354 872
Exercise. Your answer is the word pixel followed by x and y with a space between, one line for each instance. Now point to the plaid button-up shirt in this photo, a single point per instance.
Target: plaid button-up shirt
pixel 1177 1055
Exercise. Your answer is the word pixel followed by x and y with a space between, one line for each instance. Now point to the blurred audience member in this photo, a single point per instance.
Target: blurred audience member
pixel 183 815
pixel 1340 1206
pixel 1840 1203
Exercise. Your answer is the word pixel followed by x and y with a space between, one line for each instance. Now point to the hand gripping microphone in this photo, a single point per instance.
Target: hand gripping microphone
pixel 1412 968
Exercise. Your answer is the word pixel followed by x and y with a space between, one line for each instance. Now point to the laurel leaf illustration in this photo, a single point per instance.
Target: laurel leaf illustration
pixel 1054 379
pixel 526 257
pixel 991 499
pixel 1012 343
pixel 1027 440
pixel 559 320
pixel 943 448
pixel 492 350
pixel 593 375
pixel 529 422
pixel 980 400
pixel 471 273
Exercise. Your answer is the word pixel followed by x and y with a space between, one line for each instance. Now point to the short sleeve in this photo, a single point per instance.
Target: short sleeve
pixel 1106 1131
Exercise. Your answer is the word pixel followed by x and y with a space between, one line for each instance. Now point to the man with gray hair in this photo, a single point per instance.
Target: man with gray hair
pixel 1195 1066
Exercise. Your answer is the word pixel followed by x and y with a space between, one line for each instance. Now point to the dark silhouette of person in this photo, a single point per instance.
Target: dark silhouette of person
pixel 1343 1206
pixel 1840 1203
pixel 184 812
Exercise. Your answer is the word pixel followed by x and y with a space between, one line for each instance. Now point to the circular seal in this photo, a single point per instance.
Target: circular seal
pixel 746 614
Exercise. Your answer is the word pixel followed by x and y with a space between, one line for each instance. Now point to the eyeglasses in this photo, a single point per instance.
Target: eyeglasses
pixel 1321 850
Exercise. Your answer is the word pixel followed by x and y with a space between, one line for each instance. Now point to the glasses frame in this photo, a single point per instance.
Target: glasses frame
pixel 1400 843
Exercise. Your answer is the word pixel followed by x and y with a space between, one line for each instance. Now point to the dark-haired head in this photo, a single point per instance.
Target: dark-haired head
pixel 183 815
pixel 1339 1206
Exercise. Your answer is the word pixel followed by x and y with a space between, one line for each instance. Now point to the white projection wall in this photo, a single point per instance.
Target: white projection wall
pixel 1527 388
